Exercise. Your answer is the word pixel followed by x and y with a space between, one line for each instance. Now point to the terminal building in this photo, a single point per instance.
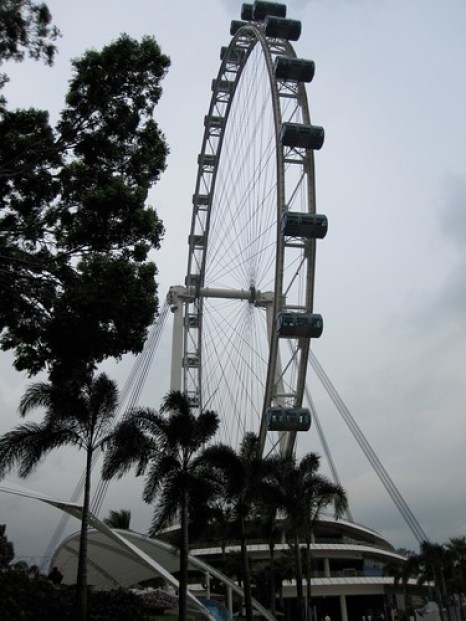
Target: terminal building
pixel 352 571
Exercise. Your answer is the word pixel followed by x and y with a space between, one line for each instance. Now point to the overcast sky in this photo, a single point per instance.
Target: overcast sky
pixel 390 91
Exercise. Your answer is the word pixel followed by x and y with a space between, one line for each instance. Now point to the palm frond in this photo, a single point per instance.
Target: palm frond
pixel 207 424
pixel 165 511
pixel 226 464
pixel 103 395
pixel 250 447
pixel 103 404
pixel 118 519
pixel 36 396
pixel 24 447
pixel 175 401
pixel 146 419
pixel 309 463
pixel 161 470
pixel 179 431
pixel 128 447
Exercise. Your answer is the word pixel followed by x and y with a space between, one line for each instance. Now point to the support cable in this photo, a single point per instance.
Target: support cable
pixel 325 446
pixel 369 452
pixel 147 357
pixel 130 392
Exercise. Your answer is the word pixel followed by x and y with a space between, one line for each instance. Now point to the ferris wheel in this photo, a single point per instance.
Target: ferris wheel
pixel 244 318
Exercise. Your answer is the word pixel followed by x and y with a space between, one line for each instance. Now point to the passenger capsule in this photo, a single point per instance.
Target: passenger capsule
pixel 197 241
pixel 261 10
pixel 235 25
pixel 214 122
pixel 192 320
pixel 191 360
pixel 193 279
pixel 299 325
pixel 307 225
pixel 279 28
pixel 288 419
pixel 201 200
pixel 246 12
pixel 193 399
pixel 294 69
pixel 299 135
pixel 222 86
pixel 236 54
pixel 206 160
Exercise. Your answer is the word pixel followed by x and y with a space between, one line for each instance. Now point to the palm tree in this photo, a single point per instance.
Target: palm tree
pixel 321 492
pixel 167 449
pixel 303 494
pixel 245 475
pixel 82 418
pixel 268 521
pixel 457 548
pixel 118 519
pixel 402 572
pixel 434 564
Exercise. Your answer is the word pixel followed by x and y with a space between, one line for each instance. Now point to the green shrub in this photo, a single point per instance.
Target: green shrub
pixel 37 599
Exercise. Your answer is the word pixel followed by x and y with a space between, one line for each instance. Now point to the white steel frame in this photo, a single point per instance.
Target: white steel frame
pixel 293 282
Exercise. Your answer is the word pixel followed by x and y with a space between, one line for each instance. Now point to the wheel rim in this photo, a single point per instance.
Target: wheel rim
pixel 246 181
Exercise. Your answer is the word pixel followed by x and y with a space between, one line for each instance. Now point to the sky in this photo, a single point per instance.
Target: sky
pixel 390 91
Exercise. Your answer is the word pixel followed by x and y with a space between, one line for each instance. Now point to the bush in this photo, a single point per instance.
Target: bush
pixel 37 599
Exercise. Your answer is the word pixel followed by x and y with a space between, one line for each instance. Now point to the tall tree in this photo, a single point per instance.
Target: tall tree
pixel 433 564
pixel 402 572
pixel 82 419
pixel 303 494
pixel 74 223
pixel 166 446
pixel 270 527
pixel 457 549
pixel 244 478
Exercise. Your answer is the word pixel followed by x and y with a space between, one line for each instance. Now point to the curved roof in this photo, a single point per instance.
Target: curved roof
pixel 122 558
pixel 125 558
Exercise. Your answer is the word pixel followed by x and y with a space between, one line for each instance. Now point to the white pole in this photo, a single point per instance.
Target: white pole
pixel 343 608
pixel 176 306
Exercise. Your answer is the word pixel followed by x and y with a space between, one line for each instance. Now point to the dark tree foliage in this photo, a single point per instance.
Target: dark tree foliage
pixel 7 550
pixel 38 599
pixel 25 29
pixel 76 281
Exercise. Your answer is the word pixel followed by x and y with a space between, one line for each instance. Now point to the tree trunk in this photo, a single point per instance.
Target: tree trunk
pixel 81 578
pixel 308 573
pixel 246 573
pixel 272 579
pixel 439 590
pixel 445 596
pixel 299 580
pixel 406 599
pixel 183 583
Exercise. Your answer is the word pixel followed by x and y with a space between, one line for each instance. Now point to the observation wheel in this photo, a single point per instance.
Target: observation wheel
pixel 244 319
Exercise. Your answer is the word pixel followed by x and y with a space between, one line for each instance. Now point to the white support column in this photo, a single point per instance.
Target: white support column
pixel 230 601
pixel 326 568
pixel 176 306
pixel 207 585
pixel 343 609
